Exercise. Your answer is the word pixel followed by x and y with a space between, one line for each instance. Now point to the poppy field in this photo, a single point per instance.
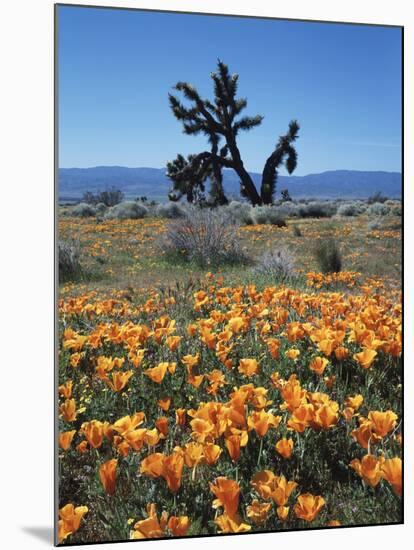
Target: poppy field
pixel 199 401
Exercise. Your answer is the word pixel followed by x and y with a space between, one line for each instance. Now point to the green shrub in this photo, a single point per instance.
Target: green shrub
pixel 70 268
pixel 317 210
pixel 83 210
pixel 277 264
pixel 127 210
pixel 297 231
pixel 374 224
pixel 170 210
pixel 240 212
pixel 109 197
pixel 328 255
pixel 268 214
pixel 101 209
pixel 378 209
pixel 288 210
pixel 350 209
pixel 259 214
pixel 396 209
pixel 274 217
pixel 204 236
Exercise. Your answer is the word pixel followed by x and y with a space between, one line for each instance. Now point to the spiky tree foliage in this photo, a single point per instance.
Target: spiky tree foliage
pixel 188 176
pixel 221 119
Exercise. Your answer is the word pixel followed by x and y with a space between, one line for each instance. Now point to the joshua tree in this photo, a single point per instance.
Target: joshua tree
pixel 286 195
pixel 219 120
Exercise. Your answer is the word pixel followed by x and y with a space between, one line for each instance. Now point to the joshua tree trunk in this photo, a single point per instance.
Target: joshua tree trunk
pixel 216 178
pixel 248 188
pixel 217 191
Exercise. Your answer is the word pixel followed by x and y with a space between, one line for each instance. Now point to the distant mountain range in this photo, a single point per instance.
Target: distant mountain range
pixel 153 183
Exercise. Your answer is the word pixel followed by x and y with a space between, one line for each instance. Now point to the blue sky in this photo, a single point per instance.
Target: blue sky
pixel 116 67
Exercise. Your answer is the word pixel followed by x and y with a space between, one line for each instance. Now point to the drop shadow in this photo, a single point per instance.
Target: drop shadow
pixel 45 534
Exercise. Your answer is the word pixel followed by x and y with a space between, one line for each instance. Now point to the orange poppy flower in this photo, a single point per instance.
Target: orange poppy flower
pixel 293 394
pixel 369 468
pixel 136 357
pixel 363 435
pixel 382 422
pixel 261 421
pixel 153 465
pixel 333 523
pixel 190 361
pixel 152 437
pixel 70 520
pixel 248 367
pixel 136 438
pixel 234 442
pixel 119 380
pixel 107 474
pixel 308 506
pixel 128 423
pixel 231 524
pixel 82 447
pixel 217 380
pixel 227 493
pixel 75 359
pixel 365 358
pixel 212 453
pixel 172 471
pixel 273 346
pixel 318 365
pixel 341 353
pixel 326 346
pixel 195 380
pixel 326 416
pixel 179 526
pixel 192 329
pixel 391 470
pixel 193 454
pixel 68 410
pixel 292 353
pixel 348 413
pixel 258 399
pixel 236 324
pixel 93 432
pixel 329 381
pixel 121 446
pixel 180 417
pixel 354 402
pixel 208 337
pixel 164 403
pixel 65 439
pixel 162 425
pixel 202 429
pixel 281 489
pixel 262 482
pixel 173 342
pixel 301 418
pixel 65 390
pixel 151 527
pixel 282 512
pixel 284 447
pixel 258 512
pixel 156 374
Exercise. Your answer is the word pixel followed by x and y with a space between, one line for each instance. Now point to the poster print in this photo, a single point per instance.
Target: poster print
pixel 229 302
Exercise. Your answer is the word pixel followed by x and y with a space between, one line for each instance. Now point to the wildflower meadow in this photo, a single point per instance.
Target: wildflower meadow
pixel 222 402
